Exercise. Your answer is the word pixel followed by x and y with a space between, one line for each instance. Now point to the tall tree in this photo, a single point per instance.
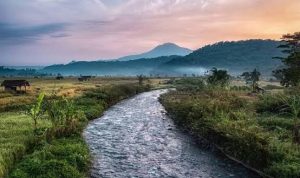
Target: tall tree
pixel 290 74
pixel 252 79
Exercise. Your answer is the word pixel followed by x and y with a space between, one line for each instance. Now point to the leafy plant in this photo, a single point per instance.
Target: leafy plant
pixel 36 112
pixel 64 116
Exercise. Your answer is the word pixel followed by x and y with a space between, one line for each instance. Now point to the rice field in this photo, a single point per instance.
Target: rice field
pixel 16 134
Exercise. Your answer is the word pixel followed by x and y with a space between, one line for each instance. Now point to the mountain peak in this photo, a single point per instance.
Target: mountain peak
pixel 165 49
pixel 167 45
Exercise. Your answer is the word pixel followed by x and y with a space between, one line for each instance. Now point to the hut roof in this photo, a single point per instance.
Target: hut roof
pixel 15 83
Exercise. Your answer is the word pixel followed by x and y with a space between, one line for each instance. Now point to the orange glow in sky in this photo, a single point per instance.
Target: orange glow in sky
pixel 58 31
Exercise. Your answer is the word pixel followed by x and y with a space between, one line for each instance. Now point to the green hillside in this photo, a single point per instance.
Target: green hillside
pixel 236 57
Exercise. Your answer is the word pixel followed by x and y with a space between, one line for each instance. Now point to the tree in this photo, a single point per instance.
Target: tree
pixel 252 79
pixel 290 74
pixel 218 77
pixel 141 79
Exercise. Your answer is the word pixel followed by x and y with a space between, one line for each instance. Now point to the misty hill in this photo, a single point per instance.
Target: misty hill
pixel 167 49
pixel 112 68
pixel 8 71
pixel 236 57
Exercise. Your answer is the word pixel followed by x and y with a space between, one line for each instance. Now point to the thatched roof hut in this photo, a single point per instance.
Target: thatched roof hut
pixel 14 84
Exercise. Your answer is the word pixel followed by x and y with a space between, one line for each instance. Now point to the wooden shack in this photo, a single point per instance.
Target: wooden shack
pixel 84 78
pixel 14 85
pixel 59 77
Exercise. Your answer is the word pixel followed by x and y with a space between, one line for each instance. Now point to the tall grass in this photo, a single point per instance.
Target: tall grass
pixel 252 132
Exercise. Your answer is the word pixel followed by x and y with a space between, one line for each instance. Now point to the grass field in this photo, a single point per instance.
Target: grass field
pixel 68 87
pixel 16 129
pixel 16 136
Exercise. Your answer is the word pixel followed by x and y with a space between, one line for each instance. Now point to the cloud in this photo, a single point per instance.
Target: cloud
pixel 64 30
pixel 60 35
pixel 14 34
pixel 37 12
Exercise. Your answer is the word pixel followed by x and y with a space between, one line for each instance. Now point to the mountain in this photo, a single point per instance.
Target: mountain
pixel 112 68
pixel 235 56
pixel 167 49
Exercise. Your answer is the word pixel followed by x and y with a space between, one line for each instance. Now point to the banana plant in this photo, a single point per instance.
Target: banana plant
pixel 35 111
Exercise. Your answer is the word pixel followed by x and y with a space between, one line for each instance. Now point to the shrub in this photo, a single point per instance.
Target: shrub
pixel 240 88
pixel 270 103
pixel 65 158
pixel 190 84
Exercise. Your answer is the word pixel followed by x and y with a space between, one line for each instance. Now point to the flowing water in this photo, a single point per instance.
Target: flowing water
pixel 135 138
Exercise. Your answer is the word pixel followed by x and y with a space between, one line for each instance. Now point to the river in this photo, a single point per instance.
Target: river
pixel 135 138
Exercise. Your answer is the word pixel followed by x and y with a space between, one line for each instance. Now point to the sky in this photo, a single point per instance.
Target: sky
pixel 44 32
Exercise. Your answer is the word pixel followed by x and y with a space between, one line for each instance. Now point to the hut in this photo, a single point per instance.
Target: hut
pixel 84 78
pixel 59 77
pixel 13 85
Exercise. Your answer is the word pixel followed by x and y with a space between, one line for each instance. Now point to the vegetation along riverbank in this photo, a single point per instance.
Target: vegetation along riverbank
pixel 54 147
pixel 253 128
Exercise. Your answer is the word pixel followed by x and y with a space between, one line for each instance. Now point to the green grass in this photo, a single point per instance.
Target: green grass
pixel 62 158
pixel 16 136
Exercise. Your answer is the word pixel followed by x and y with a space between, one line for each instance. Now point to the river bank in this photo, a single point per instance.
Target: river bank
pixel 241 126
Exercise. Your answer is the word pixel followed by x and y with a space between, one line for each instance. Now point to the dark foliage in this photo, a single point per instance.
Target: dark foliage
pixel 218 78
pixel 290 74
pixel 252 78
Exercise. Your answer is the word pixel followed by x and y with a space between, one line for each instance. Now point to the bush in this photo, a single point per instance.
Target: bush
pixel 240 88
pixel 190 84
pixel 65 158
pixel 274 123
pixel 270 104
pixel 93 112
